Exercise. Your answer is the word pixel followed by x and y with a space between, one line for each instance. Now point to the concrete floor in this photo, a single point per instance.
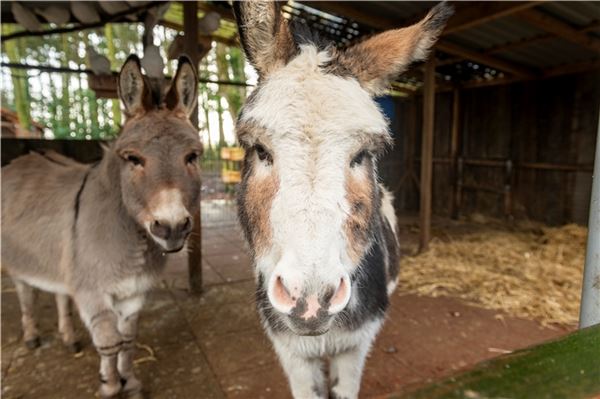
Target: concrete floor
pixel 213 346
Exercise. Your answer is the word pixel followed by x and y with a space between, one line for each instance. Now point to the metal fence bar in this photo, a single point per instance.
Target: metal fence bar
pixel 590 296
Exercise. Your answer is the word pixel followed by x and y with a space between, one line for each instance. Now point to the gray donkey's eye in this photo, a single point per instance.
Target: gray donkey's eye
pixel 135 160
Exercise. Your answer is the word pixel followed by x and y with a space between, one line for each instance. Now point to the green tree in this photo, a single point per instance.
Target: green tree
pixel 19 79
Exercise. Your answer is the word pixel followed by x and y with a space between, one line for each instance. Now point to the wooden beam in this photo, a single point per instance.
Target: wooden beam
pixel 572 68
pixel 427 154
pixel 190 46
pixel 536 39
pixel 352 11
pixel 488 60
pixel 470 15
pixel 449 61
pixel 552 25
pixel 454 145
pixel 519 43
pixel 549 73
pixel 80 26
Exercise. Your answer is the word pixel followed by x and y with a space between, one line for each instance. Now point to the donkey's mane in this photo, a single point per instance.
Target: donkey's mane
pixel 304 35
pixel 157 89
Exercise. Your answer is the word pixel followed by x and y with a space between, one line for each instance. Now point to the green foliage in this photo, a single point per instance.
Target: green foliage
pixel 64 104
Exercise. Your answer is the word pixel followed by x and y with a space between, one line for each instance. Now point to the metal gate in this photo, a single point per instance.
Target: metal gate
pixel 220 180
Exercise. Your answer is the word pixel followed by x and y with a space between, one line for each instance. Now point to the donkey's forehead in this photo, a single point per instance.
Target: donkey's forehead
pixel 156 127
pixel 303 99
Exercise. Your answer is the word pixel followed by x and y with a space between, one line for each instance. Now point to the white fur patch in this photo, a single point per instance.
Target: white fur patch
pixel 387 208
pixel 391 287
pixel 133 286
pixel 334 341
pixel 128 306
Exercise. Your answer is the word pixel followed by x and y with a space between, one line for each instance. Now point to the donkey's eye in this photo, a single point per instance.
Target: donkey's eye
pixel 191 158
pixel 359 158
pixel 135 160
pixel 262 153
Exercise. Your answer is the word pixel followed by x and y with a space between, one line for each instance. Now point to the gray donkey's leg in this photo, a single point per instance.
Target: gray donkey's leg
pixel 128 310
pixel 65 323
pixel 26 296
pixel 101 321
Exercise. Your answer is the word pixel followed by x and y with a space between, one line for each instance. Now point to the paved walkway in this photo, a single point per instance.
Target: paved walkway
pixel 214 347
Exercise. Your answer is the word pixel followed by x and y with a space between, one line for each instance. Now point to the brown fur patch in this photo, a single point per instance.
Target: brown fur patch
pixel 259 194
pixel 359 194
pixel 378 59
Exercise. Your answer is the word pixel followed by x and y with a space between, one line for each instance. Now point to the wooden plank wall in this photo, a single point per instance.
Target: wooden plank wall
pixel 552 121
pixel 86 151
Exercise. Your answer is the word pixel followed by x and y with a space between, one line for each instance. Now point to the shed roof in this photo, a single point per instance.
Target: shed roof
pixel 484 42
pixel 515 40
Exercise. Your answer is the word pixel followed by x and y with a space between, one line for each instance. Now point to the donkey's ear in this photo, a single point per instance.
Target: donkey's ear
pixel 133 90
pixel 183 93
pixel 381 58
pixel 264 34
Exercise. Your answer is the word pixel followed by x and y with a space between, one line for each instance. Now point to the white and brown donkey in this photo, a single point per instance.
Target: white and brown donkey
pixel 98 233
pixel 321 228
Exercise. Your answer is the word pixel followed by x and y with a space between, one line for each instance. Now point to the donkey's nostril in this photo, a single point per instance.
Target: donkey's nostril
pixel 160 230
pixel 340 298
pixel 187 225
pixel 282 295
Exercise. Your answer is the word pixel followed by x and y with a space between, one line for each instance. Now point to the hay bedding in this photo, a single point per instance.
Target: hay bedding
pixel 526 272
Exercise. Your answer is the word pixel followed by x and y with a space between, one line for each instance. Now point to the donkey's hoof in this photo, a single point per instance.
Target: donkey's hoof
pixel 33 343
pixel 75 347
pixel 131 387
pixel 109 390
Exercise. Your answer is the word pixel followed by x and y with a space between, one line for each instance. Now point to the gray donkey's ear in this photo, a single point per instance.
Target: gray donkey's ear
pixel 183 93
pixel 264 34
pixel 381 58
pixel 132 87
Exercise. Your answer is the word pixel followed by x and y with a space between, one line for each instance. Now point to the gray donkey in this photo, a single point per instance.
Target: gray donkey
pixel 112 221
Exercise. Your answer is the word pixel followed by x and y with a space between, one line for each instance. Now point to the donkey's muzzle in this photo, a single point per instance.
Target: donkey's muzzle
pixel 310 314
pixel 171 236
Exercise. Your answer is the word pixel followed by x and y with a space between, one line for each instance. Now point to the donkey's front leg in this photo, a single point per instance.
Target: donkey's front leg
pixel 305 375
pixel 101 321
pixel 345 371
pixel 65 323
pixel 128 313
pixel 26 295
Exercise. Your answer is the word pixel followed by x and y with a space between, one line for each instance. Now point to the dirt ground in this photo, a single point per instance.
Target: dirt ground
pixel 212 346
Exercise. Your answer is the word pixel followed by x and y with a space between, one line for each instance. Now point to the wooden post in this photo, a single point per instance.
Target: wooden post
pixel 190 46
pixel 454 143
pixel 427 153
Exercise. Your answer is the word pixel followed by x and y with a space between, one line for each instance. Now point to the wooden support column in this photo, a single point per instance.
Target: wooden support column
pixel 427 153
pixel 190 46
pixel 454 144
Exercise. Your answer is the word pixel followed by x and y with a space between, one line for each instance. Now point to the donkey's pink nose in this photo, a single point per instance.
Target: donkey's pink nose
pixel 312 307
